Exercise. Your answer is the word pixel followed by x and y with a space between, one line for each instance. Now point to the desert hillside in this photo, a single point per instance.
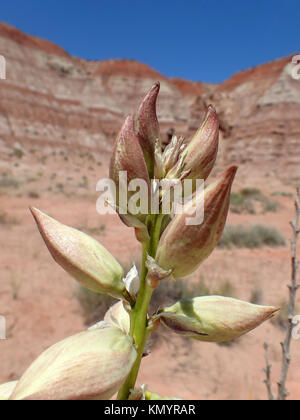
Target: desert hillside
pixel 51 99
pixel 59 116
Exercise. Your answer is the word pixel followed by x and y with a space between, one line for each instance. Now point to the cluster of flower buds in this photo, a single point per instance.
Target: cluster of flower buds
pixel 214 318
pixel 95 363
pixel 137 151
pixel 91 365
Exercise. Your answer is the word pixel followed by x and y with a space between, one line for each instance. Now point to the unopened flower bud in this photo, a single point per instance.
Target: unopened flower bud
pixel 198 157
pixel 128 159
pixel 182 247
pixel 147 126
pixel 118 316
pixel 7 389
pixel 91 365
pixel 214 318
pixel 81 256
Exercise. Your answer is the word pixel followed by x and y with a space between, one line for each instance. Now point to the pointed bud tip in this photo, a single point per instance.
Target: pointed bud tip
pixel 229 174
pixel 156 85
pixel 37 214
pixel 211 108
pixel 128 123
pixel 152 93
pixel 273 310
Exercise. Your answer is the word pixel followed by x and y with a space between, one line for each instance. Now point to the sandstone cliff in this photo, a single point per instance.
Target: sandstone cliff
pixel 51 99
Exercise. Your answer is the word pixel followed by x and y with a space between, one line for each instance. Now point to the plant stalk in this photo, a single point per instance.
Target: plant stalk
pixel 138 315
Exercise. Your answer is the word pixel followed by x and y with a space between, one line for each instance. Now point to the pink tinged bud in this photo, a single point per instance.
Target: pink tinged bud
pixel 91 365
pixel 81 256
pixel 214 318
pixel 7 389
pixel 146 124
pixel 127 157
pixel 182 247
pixel 198 158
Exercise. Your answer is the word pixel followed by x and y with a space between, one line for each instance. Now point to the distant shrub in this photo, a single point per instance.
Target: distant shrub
pixel 5 219
pixel 84 183
pixel 60 186
pixel 31 179
pixel 243 201
pixel 282 193
pixel 33 194
pixel 18 152
pixel 250 237
pixel 9 182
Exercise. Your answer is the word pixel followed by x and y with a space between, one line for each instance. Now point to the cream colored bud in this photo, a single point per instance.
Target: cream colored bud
pixel 214 318
pixel 81 256
pixel 91 365
pixel 198 158
pixel 7 389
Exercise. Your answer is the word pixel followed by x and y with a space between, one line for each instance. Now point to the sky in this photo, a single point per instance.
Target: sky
pixel 193 39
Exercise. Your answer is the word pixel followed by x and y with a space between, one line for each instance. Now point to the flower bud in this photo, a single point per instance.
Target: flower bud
pixel 91 365
pixel 118 316
pixel 147 126
pixel 198 158
pixel 214 318
pixel 183 247
pixel 81 256
pixel 128 157
pixel 7 389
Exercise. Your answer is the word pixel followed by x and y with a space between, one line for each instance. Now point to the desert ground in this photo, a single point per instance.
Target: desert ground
pixel 39 300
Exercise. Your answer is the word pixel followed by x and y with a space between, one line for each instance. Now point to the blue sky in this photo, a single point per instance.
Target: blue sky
pixel 194 39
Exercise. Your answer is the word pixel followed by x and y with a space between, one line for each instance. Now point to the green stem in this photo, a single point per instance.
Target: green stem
pixel 138 315
pixel 156 233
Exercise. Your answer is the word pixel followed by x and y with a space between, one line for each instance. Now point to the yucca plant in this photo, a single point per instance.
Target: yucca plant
pixel 105 360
